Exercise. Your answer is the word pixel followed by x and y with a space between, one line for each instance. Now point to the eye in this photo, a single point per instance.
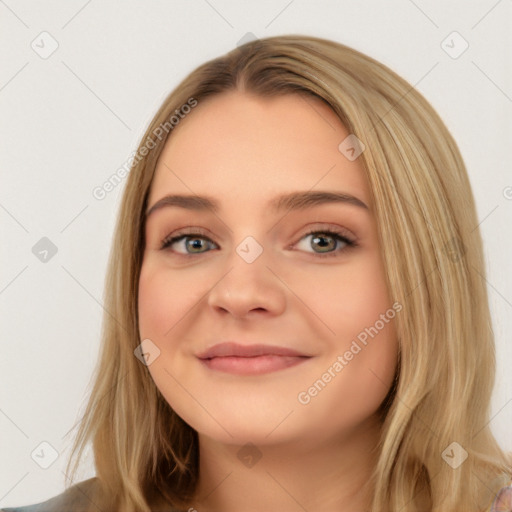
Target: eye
pixel 327 241
pixel 187 241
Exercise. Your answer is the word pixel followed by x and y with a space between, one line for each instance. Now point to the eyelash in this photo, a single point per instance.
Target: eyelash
pixel 341 236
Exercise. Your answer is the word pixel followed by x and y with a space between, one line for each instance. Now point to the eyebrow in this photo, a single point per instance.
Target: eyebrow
pixel 292 201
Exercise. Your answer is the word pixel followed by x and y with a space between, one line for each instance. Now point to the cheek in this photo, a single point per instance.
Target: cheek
pixel 349 298
pixel 356 306
pixel 163 299
pixel 150 300
pixel 350 383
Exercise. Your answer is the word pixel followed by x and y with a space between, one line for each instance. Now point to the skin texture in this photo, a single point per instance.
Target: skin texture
pixel 243 151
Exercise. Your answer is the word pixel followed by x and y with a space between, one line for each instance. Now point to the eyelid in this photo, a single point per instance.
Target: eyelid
pixel 182 233
pixel 333 229
pixel 339 234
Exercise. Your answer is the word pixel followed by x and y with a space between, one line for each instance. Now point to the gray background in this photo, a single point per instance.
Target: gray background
pixel 70 120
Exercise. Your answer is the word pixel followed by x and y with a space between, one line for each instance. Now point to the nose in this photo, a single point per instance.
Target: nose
pixel 248 289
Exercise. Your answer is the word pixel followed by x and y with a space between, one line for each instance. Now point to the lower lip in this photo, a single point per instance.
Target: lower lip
pixel 252 365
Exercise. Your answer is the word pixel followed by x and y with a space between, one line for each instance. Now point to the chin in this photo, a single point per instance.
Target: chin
pixel 230 424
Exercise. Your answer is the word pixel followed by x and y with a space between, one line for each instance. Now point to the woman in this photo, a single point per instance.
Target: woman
pixel 297 318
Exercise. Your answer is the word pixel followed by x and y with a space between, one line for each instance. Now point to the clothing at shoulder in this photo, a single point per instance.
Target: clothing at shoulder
pixel 83 496
pixel 76 498
pixel 502 502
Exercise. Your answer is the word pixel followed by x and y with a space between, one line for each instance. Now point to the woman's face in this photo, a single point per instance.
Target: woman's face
pixel 249 271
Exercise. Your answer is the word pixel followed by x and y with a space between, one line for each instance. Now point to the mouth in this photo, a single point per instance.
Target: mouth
pixel 250 359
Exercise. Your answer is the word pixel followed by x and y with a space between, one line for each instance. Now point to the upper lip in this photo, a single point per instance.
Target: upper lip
pixel 235 349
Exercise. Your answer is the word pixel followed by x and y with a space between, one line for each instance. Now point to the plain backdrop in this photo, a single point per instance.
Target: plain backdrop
pixel 69 120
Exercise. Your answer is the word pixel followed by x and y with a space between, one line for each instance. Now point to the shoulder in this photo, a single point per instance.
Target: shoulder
pixel 78 498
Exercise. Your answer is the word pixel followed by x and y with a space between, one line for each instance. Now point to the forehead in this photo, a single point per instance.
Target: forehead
pixel 244 149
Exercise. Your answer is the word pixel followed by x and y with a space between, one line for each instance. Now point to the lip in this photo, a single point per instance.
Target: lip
pixel 231 348
pixel 239 359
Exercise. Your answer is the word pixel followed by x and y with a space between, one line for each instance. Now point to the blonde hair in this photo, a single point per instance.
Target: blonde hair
pixel 432 252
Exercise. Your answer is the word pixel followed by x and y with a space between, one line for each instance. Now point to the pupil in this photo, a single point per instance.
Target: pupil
pixel 196 244
pixel 319 239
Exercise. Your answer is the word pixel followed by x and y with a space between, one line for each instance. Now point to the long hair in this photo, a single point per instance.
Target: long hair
pixel 438 410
